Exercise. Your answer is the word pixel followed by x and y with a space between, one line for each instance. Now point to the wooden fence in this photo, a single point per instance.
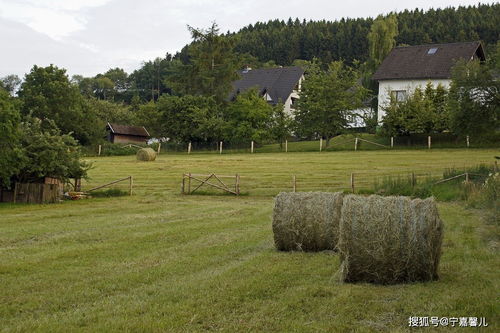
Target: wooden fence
pixel 36 193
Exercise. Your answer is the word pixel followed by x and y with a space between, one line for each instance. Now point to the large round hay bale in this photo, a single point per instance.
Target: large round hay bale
pixel 146 154
pixel 389 240
pixel 306 221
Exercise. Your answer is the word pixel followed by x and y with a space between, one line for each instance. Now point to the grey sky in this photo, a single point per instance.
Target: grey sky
pixel 90 36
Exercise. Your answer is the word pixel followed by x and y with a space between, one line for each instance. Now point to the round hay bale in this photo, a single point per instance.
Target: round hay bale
pixel 146 154
pixel 306 221
pixel 388 240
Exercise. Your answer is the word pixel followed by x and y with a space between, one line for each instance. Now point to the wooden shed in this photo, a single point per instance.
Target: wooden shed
pixel 127 134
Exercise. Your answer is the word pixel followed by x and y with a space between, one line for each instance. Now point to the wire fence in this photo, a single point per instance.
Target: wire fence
pixel 350 142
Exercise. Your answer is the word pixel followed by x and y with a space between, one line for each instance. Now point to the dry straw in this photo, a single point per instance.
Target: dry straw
pixel 146 154
pixel 389 240
pixel 306 221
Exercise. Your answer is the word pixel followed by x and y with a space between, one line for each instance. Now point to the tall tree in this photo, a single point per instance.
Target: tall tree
pixel 47 93
pixel 10 150
pixel 327 99
pixel 247 118
pixel 382 37
pixel 211 67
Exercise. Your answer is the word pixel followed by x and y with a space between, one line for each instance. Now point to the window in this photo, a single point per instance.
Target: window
pixel 398 95
pixel 432 50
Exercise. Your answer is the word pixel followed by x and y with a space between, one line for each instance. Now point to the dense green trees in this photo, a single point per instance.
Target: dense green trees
pixel 211 67
pixel 10 133
pixel 423 111
pixel 32 148
pixel 247 118
pixel 347 39
pixel 47 93
pixel 327 100
pixel 474 102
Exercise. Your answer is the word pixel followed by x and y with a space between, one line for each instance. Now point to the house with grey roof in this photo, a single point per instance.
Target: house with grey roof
pixel 275 85
pixel 406 68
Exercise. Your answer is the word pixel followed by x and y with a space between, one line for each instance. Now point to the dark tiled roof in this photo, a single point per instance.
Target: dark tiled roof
pixel 415 62
pixel 128 130
pixel 277 82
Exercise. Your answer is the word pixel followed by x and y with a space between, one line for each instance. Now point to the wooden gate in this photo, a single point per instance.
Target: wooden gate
pixel 204 180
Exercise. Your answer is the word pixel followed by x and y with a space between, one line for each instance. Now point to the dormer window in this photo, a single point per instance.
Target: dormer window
pixel 432 50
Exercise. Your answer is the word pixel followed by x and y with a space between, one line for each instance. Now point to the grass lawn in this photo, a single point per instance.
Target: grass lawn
pixel 160 261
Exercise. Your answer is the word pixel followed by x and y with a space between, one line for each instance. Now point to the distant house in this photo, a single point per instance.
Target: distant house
pixel 127 134
pixel 275 85
pixel 408 67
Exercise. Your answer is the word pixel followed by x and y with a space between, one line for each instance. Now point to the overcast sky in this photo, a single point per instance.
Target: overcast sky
pixel 90 36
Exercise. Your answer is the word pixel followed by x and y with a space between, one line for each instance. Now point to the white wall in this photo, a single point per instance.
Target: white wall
pixel 385 88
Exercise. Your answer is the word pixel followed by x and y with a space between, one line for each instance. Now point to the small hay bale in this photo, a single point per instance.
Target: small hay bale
pixel 306 221
pixel 146 154
pixel 388 240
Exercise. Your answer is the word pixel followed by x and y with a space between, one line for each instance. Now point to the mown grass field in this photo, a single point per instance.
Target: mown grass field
pixel 160 261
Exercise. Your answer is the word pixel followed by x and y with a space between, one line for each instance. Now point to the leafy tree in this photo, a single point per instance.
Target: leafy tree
pixel 382 37
pixel 211 66
pixel 188 118
pixel 46 93
pixel 327 100
pixel 423 111
pixel 281 124
pixel 149 115
pixel 474 99
pixel 247 118
pixel 10 151
pixel 10 83
pixel 48 153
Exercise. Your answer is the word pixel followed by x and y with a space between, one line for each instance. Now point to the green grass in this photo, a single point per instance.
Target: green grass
pixel 160 261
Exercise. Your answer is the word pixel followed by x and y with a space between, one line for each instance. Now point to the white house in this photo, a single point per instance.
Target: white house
pixel 275 85
pixel 408 67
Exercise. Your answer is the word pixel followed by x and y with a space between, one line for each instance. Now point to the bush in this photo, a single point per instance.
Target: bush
pixel 110 192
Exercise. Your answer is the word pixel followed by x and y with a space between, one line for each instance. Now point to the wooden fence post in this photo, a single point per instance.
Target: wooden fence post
pixel 251 147
pixel 189 184
pixel 294 183
pixel 429 141
pixel 130 185
pixel 392 142
pixel 189 147
pixel 466 177
pixel 220 151
pixel 467 141
pixel 355 144
pixel 237 185
pixel 99 151
pixel 320 144
pixel 352 182
pixel 286 146
pixel 413 179
pixel 183 183
pixel 15 193
pixel 159 148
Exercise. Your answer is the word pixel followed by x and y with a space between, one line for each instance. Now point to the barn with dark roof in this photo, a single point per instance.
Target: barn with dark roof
pixel 408 67
pixel 127 134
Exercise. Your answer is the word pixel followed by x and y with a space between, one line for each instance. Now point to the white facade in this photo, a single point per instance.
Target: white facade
pixel 402 87
pixel 288 105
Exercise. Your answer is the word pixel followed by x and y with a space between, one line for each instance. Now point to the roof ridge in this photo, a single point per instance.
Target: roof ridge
pixel 418 45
